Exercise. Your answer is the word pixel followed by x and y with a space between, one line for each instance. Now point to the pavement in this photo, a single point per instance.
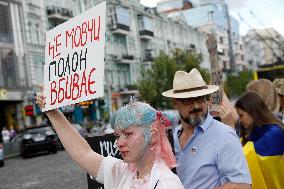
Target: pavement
pixel 43 171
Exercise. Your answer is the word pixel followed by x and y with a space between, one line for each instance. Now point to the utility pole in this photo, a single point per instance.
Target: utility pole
pixel 231 50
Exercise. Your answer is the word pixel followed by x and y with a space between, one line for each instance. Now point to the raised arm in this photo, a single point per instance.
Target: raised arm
pixel 229 115
pixel 73 142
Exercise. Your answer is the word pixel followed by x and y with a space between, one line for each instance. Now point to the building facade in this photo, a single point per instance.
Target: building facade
pixel 14 82
pixel 135 36
pixel 263 47
pixel 210 17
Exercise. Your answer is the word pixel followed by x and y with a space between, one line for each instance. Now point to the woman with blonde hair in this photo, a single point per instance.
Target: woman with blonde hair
pixel 266 90
pixel 279 85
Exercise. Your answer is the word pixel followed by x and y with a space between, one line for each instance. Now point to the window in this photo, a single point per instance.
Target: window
pixel 5 29
pixel 210 15
pixel 120 44
pixel 8 60
pixel 224 65
pixel 122 14
pixel 221 40
pixel 39 68
pixel 29 37
pixel 146 23
pixel 37 33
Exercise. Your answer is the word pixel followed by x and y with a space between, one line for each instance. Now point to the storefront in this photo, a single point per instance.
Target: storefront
pixel 121 98
pixel 11 115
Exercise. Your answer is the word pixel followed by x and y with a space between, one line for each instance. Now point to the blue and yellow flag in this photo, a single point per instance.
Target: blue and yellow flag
pixel 266 164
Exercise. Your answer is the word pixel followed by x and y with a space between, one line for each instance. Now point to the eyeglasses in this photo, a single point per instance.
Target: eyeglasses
pixel 190 101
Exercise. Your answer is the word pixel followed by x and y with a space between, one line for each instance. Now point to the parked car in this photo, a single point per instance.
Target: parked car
pixel 36 139
pixel 1 152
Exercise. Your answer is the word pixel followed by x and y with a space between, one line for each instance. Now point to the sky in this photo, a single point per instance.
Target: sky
pixel 269 12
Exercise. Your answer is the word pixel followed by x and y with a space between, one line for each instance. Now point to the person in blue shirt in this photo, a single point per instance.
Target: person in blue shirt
pixel 209 153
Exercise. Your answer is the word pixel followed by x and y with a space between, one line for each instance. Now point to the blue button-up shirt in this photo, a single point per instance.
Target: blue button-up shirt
pixel 212 156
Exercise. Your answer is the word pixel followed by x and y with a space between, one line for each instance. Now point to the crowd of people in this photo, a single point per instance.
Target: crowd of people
pixel 242 150
pixel 8 134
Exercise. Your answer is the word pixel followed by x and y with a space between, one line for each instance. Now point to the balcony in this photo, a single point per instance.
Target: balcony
pixel 148 57
pixel 58 14
pixel 220 50
pixel 190 48
pixel 120 20
pixel 146 34
pixel 124 59
pixel 120 29
pixel 146 27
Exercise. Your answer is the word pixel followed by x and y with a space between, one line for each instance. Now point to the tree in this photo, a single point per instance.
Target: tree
pixel 235 85
pixel 186 61
pixel 159 77
pixel 156 80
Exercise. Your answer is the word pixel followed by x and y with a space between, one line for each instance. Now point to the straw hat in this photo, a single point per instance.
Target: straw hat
pixel 188 85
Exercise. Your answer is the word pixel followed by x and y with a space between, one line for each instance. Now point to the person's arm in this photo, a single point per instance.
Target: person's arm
pixel 73 142
pixel 234 186
pixel 228 113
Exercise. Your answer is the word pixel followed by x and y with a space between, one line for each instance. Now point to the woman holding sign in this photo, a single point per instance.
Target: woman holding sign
pixel 141 140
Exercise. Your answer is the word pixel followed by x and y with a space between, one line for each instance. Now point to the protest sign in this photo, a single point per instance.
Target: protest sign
pixel 212 49
pixel 106 146
pixel 217 79
pixel 74 59
pixel 216 71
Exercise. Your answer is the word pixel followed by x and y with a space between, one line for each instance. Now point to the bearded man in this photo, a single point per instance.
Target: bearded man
pixel 208 152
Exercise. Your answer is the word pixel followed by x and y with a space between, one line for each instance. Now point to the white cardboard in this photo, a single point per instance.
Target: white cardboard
pixel 59 41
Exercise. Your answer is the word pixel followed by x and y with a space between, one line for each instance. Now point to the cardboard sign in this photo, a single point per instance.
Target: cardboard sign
pixel 212 49
pixel 216 72
pixel 74 59
pixel 106 146
pixel 217 79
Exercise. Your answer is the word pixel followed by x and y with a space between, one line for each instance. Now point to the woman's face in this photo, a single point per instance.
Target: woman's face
pixel 245 118
pixel 130 143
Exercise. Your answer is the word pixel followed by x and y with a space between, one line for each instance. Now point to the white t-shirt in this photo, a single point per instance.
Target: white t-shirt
pixel 115 174
pixel 5 135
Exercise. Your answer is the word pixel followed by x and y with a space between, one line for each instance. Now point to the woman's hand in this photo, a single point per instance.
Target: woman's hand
pixel 228 113
pixel 40 98
pixel 73 142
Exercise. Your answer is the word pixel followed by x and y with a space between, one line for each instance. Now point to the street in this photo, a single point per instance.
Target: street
pixel 46 171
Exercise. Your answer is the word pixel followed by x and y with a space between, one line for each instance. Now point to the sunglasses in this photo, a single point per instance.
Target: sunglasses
pixel 190 101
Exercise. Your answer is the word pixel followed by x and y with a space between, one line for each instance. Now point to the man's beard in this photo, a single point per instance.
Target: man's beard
pixel 194 120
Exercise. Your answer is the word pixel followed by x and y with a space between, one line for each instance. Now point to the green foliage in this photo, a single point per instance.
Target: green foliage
pixel 156 80
pixel 186 61
pixel 132 87
pixel 235 85
pixel 159 78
